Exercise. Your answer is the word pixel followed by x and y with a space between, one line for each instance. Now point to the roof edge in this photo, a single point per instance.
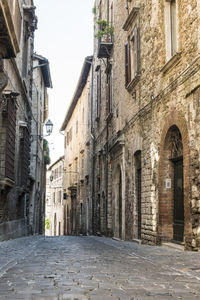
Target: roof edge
pixel 79 89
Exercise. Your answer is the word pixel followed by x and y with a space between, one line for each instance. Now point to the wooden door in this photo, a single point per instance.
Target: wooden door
pixel 178 201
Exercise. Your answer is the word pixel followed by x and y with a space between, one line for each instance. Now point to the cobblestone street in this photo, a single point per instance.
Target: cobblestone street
pixel 95 268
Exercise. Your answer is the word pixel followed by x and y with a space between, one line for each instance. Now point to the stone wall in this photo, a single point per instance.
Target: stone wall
pixel 165 94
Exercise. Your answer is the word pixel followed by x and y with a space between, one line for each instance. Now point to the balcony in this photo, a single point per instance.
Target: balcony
pixel 10 30
pixel 105 45
pixel 105 38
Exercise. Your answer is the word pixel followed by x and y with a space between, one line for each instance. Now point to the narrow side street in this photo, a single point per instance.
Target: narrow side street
pixel 95 268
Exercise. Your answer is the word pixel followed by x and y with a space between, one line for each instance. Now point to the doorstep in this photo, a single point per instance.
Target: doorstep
pixel 173 246
pixel 137 241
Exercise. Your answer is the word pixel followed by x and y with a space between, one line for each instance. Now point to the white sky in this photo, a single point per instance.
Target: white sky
pixel 65 38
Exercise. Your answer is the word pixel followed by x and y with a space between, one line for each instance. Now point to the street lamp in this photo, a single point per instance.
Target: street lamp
pixel 49 127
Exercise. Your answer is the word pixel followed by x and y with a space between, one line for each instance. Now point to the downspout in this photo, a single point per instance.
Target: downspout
pixel 93 152
pixel 106 212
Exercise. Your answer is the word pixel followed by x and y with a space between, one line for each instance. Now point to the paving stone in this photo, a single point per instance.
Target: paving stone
pixel 61 268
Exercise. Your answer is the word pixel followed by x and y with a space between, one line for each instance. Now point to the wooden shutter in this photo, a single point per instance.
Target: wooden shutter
pixel 136 50
pixel 8 136
pixel 127 64
pixel 24 157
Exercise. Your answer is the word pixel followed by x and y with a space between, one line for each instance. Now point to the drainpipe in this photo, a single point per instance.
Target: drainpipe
pixel 93 152
pixel 106 212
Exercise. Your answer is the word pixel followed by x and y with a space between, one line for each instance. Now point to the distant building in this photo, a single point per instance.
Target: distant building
pixel 77 162
pixel 55 202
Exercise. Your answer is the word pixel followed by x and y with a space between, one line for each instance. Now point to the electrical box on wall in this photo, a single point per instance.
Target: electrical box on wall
pixel 168 183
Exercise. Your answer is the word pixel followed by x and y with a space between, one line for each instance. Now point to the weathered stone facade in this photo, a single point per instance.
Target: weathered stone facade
pixel 146 139
pixel 41 82
pixel 18 23
pixel 78 155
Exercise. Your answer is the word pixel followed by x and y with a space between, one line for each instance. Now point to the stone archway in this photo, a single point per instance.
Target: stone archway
pixel 174 209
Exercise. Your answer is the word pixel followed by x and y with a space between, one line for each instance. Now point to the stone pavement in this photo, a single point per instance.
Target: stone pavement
pixel 38 268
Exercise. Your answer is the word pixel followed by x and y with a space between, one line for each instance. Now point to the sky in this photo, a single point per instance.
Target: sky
pixel 65 37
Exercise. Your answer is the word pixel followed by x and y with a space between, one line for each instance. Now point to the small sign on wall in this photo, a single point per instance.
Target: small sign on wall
pixel 168 183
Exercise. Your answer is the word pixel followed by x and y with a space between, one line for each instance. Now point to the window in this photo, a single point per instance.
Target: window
pixel 70 174
pixel 132 56
pixel 25 50
pixel 127 64
pixel 60 196
pixel 82 167
pixel 8 110
pixel 135 52
pixel 76 169
pixel 171 28
pixel 67 137
pixel 100 9
pixel 54 197
pixel 83 114
pixel 111 15
pixel 24 156
pixel 70 134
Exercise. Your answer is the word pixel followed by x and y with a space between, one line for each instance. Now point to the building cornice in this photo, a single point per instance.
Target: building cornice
pixel 79 89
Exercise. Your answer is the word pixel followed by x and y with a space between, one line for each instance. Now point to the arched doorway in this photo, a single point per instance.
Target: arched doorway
pixel 171 205
pixel 138 189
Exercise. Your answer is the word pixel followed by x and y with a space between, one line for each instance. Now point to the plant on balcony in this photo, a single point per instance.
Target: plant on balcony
pixel 105 30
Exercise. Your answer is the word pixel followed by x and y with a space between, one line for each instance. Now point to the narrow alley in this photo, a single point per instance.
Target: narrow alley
pixel 95 268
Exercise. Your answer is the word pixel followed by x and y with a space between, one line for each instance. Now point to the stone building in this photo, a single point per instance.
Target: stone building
pixel 146 91
pixel 18 22
pixel 17 104
pixel 77 164
pixel 41 82
pixel 55 202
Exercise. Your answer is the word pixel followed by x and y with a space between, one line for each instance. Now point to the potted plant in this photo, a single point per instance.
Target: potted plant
pixel 105 30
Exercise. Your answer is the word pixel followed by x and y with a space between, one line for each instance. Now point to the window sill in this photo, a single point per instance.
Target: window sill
pixel 131 85
pixel 174 60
